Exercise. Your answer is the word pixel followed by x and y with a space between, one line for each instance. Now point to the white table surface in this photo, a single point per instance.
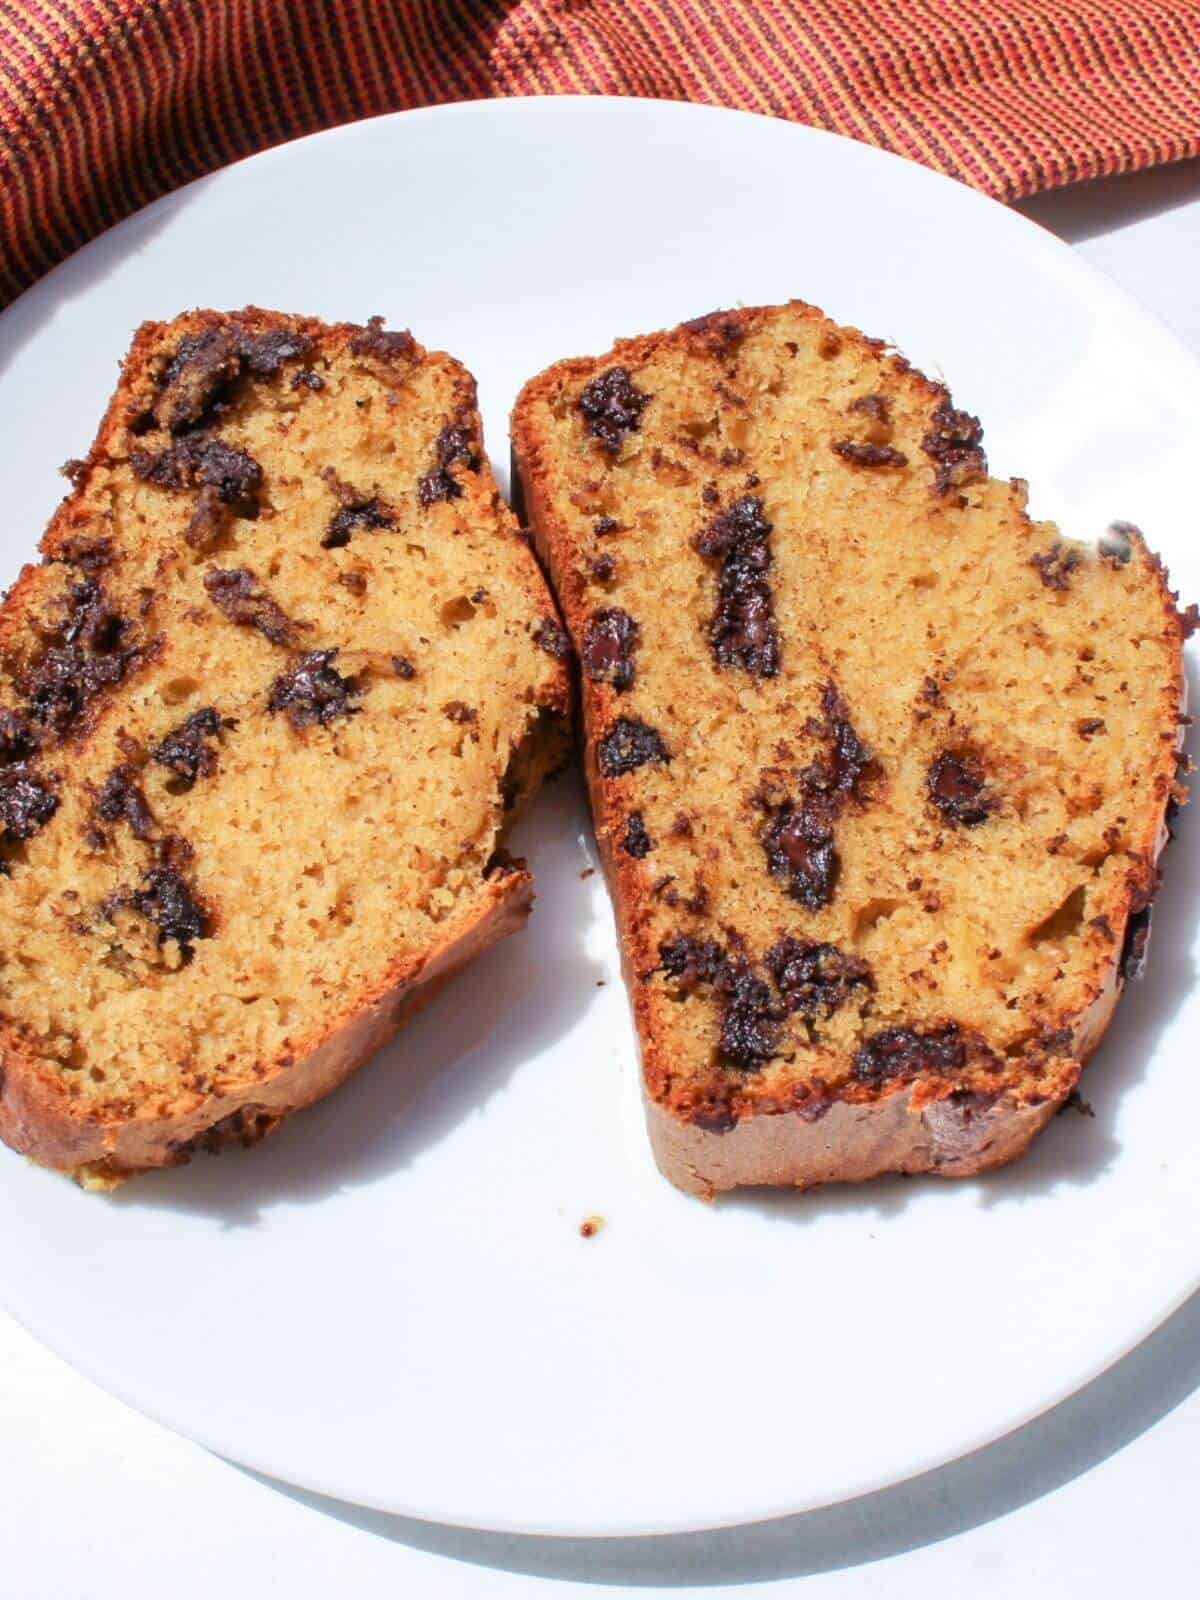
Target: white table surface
pixel 1097 1498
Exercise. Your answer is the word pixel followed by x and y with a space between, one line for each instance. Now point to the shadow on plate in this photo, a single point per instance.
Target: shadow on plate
pixel 1074 1437
pixel 1088 209
pixel 1073 1149
pixel 507 1008
pixel 80 273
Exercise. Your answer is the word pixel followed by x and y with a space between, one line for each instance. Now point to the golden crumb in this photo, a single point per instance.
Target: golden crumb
pixel 590 1227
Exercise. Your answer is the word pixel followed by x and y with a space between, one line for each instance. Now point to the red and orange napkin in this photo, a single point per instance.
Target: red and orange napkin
pixel 105 104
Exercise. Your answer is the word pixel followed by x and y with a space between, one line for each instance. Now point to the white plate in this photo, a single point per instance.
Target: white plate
pixel 390 1301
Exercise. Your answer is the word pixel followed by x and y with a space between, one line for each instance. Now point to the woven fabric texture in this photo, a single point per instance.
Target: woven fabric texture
pixel 105 104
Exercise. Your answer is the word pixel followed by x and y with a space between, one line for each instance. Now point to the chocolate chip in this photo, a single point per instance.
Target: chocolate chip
pixel 717 332
pixel 265 353
pixel 612 407
pixel 186 750
pixel 454 445
pixel 548 636
pixel 799 839
pixel 359 511
pixel 241 597
pixel 233 474
pixel 954 444
pixel 750 1018
pixel 90 555
pixel 905 1052
pixel 122 799
pixel 308 379
pixel 958 788
pixel 742 631
pixel 208 521
pixel 26 803
pixel 202 367
pixel 88 660
pixel 603 526
pixel 90 621
pixel 313 691
pixel 166 899
pixel 18 741
pixel 403 667
pixel 609 642
pixel 604 568
pixel 876 406
pixel 636 842
pixel 749 1034
pixel 849 763
pixel 228 479
pixel 1045 1043
pixel 628 744
pixel 65 680
pixel 200 460
pixel 800 850
pixel 816 979
pixel 206 365
pixel 861 454
pixel 437 485
pixel 374 341
pixel 691 962
pixel 1055 566
pixel 1136 947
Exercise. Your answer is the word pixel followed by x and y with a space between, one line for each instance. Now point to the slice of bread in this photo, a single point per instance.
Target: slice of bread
pixel 266 705
pixel 879 766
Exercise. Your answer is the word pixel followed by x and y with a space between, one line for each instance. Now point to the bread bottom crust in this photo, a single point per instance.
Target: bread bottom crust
pixel 850 1142
pixel 103 1154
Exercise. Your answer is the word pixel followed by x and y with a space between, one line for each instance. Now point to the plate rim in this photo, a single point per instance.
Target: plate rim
pixel 1168 345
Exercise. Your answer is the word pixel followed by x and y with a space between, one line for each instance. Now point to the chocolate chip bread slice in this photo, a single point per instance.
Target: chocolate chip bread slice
pixel 879 766
pixel 285 670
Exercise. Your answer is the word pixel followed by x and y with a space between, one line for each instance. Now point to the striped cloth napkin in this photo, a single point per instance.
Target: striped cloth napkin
pixel 105 104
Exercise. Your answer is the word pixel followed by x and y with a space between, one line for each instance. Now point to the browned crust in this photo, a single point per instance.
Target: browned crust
pixel 37 1116
pixel 865 1132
